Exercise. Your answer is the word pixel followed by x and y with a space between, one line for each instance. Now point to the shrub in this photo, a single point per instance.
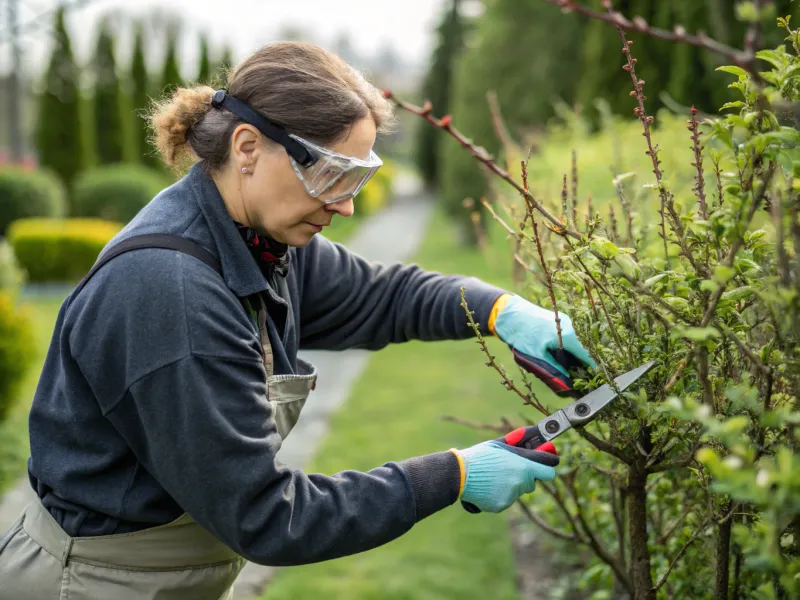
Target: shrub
pixel 26 193
pixel 17 349
pixel 51 250
pixel 116 192
pixel 688 486
pixel 11 276
pixel 374 196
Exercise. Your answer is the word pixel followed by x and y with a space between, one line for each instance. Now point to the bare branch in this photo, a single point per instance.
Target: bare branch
pixel 483 156
pixel 547 527
pixel 678 34
pixel 663 579
pixel 473 425
pixel 506 380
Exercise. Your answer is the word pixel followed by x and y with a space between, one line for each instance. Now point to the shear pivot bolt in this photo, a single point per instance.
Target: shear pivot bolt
pixel 551 426
pixel 582 410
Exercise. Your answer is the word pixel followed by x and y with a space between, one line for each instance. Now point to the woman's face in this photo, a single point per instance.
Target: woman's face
pixel 273 199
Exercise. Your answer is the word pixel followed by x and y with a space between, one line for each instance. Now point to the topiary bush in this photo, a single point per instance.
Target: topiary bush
pixel 377 193
pixel 17 349
pixel 54 250
pixel 25 193
pixel 117 192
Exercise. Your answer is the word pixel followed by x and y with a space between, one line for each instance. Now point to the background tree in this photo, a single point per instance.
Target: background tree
pixel 109 130
pixel 505 54
pixel 436 88
pixel 58 135
pixel 204 69
pixel 224 64
pixel 140 93
pixel 170 73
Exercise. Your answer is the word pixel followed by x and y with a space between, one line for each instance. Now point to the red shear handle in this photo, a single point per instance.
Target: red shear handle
pixel 521 441
pixel 553 378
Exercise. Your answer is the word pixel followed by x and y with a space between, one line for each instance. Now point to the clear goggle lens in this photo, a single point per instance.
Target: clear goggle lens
pixel 335 177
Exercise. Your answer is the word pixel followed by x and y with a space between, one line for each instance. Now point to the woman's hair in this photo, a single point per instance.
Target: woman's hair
pixel 307 90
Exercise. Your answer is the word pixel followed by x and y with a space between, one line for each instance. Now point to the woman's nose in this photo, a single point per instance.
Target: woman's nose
pixel 345 208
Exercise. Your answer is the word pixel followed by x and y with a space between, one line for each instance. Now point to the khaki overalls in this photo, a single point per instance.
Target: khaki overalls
pixel 176 561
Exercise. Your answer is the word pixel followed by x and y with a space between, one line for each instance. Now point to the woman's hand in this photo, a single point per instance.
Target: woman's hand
pixel 493 476
pixel 531 329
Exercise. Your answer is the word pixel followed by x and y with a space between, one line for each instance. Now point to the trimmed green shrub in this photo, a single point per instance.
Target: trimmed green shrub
pixel 11 276
pixel 116 192
pixel 17 349
pixel 27 193
pixel 52 250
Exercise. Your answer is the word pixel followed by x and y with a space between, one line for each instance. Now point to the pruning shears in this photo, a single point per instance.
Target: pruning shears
pixel 524 440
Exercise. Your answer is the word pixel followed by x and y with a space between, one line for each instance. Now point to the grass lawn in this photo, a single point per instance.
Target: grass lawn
pixel 14 443
pixel 395 412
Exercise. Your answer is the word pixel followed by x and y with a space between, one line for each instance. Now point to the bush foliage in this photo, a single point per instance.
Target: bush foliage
pixel 688 486
pixel 116 192
pixel 27 193
pixel 59 250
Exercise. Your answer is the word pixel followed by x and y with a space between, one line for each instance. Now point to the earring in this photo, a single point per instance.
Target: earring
pixel 244 169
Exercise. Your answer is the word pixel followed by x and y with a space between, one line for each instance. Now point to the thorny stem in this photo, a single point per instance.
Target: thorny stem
pixel 574 198
pixel 641 113
pixel 565 204
pixel 700 186
pixel 718 176
pixel 507 382
pixel 612 221
pixel 481 155
pixel 542 260
pixel 743 59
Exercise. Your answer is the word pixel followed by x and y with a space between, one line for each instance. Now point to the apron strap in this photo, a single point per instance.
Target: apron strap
pixel 153 240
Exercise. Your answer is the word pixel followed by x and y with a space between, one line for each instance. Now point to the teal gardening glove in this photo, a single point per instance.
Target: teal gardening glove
pixel 495 474
pixel 531 330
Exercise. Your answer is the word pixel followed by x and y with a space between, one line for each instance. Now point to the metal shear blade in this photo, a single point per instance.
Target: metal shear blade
pixel 585 409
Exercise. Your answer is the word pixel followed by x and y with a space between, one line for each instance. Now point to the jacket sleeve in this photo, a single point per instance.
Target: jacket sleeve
pixel 199 421
pixel 349 302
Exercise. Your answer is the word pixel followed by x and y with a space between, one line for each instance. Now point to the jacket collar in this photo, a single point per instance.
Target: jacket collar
pixel 239 270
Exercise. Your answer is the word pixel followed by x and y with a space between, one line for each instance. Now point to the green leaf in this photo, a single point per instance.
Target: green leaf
pixel 776 59
pixel 739 293
pixel 723 274
pixel 708 286
pixel 650 282
pixel 739 71
pixel 604 247
pixel 695 334
pixel 735 104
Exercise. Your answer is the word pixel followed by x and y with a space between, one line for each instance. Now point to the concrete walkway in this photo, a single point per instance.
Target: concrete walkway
pixel 391 235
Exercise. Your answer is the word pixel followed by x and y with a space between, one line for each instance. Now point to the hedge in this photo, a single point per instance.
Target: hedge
pixel 116 192
pixel 53 250
pixel 374 196
pixel 29 193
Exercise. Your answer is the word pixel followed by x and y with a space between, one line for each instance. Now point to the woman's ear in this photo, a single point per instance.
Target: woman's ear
pixel 245 145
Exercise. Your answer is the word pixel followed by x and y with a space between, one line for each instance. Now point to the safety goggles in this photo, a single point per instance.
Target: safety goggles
pixel 328 176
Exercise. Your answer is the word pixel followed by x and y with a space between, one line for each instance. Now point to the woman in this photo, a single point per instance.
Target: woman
pixel 173 375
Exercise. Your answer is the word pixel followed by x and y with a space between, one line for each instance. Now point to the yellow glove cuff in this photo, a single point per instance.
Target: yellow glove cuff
pixel 463 470
pixel 499 305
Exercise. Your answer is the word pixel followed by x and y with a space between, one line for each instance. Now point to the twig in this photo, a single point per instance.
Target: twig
pixel 472 425
pixel 734 249
pixel 527 267
pixel 718 175
pixel 500 220
pixel 542 261
pixel 766 370
pixel 481 155
pixel 676 464
pixel 612 221
pixel 603 446
pixel 574 198
pixel 541 523
pixel 565 205
pixel 663 539
pixel 663 579
pixel 507 382
pixel 641 113
pixel 678 34
pixel 699 186
pixel 679 371
pixel 497 120
pixel 595 543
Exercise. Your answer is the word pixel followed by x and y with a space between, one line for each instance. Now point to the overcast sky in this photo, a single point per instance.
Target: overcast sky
pixel 245 24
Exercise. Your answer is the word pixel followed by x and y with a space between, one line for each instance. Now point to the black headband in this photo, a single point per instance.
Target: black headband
pixel 304 156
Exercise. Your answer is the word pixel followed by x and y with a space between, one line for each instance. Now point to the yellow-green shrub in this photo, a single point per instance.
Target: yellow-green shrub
pixel 17 349
pixel 59 249
pixel 377 192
